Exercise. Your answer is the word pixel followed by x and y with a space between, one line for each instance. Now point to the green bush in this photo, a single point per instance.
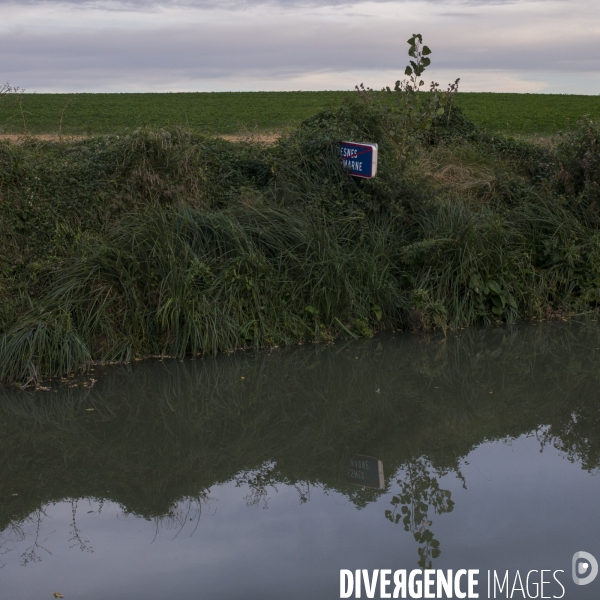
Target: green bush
pixel 579 166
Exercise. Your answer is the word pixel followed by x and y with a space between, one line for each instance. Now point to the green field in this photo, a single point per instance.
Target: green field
pixel 235 112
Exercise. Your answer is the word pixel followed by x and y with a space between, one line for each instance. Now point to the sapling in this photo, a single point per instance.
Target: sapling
pixel 407 113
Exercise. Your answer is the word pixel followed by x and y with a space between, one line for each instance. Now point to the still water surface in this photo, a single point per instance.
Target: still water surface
pixel 226 478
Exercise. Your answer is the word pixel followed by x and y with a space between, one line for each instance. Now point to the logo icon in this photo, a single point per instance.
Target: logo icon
pixel 584 564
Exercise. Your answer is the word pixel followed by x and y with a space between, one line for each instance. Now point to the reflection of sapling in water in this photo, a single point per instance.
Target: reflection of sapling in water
pixel 420 491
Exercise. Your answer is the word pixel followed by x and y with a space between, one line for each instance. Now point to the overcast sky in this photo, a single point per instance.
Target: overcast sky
pixel 550 46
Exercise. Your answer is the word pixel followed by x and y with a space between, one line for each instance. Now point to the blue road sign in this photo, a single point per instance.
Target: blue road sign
pixel 359 160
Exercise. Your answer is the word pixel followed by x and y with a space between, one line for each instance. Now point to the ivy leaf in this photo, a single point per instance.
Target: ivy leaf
pixel 494 286
pixel 378 312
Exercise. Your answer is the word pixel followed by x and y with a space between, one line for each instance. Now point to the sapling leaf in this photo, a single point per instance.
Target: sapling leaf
pixel 425 51
pixel 408 71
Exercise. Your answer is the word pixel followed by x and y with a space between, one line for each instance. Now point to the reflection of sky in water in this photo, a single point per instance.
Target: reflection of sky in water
pixel 522 509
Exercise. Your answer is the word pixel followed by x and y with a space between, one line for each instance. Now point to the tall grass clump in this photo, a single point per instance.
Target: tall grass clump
pixel 44 345
pixel 169 243
pixel 178 280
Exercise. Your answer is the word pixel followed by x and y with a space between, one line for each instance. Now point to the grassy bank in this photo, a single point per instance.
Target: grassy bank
pixel 169 242
pixel 231 113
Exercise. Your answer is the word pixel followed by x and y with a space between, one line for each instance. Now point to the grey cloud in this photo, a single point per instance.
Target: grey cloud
pixel 147 5
pixel 459 15
pixel 294 48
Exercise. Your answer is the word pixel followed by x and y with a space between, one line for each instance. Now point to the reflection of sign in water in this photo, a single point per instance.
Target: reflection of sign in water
pixel 359 160
pixel 366 471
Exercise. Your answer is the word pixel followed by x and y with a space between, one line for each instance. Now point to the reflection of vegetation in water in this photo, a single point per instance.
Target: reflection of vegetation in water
pixel 419 492
pixel 184 515
pixel 31 528
pixel 17 532
pixel 166 433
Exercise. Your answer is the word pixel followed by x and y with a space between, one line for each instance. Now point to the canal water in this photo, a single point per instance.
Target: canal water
pixel 239 476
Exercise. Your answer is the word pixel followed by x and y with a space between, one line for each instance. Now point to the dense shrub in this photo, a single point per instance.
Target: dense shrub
pixel 168 242
pixel 579 171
